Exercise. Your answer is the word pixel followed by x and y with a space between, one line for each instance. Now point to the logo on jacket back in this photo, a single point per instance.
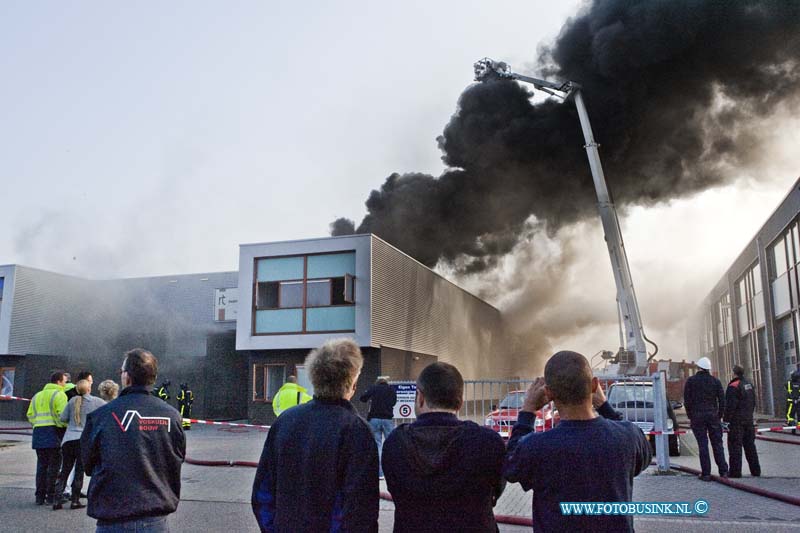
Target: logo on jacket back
pixel 146 423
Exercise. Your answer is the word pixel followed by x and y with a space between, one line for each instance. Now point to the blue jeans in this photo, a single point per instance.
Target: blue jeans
pixel 150 524
pixel 381 426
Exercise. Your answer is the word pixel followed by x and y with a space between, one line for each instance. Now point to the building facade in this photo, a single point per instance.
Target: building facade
pixel 236 336
pixel 752 316
pixel 297 294
pixel 50 321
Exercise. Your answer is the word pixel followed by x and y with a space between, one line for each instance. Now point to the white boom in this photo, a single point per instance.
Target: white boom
pixel 632 356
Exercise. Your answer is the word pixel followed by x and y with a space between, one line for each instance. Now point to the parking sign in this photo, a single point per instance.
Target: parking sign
pixel 406 392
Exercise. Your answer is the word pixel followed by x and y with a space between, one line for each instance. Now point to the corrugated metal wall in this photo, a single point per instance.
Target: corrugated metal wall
pixel 47 308
pixel 58 314
pixel 415 309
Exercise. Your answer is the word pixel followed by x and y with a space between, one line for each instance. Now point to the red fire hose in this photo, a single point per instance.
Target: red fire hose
pixel 792 500
pixel 202 462
pixel 782 441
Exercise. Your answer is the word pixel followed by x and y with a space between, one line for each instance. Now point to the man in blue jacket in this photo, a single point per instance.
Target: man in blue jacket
pixel 319 467
pixel 133 447
pixel 586 458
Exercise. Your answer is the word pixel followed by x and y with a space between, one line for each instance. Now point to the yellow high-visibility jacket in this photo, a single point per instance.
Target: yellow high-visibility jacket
pixel 289 395
pixel 46 407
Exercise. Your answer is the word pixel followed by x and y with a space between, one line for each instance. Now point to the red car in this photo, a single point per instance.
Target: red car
pixel 504 417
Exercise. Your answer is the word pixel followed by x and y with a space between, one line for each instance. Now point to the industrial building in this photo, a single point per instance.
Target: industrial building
pixel 236 336
pixel 752 316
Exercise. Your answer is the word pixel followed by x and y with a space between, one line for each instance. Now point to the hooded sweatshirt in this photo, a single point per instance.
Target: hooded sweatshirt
pixel 443 472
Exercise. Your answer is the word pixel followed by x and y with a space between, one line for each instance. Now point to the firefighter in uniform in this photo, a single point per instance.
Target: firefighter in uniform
pixel 185 399
pixel 44 414
pixel 163 391
pixel 740 402
pixel 704 400
pixel 793 399
pixel 289 395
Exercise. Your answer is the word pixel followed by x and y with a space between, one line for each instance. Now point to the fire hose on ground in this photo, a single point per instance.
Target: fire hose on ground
pixel 502 519
pixel 792 500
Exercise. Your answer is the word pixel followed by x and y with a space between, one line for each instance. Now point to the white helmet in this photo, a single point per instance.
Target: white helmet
pixel 704 363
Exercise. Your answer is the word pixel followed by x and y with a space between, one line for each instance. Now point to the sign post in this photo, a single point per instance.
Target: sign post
pixel 406 393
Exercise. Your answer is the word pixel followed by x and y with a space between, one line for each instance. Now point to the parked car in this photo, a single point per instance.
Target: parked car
pixel 504 416
pixel 635 401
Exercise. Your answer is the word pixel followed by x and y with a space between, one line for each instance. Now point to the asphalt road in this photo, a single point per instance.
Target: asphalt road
pixel 217 498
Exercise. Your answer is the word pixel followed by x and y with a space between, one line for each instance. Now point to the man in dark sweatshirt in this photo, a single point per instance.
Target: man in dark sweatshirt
pixel 381 412
pixel 586 458
pixel 442 472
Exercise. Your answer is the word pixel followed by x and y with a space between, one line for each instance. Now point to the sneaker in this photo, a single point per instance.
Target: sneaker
pixel 39 501
pixel 757 474
pixel 705 478
pixel 724 474
pixel 76 505
pixel 736 476
pixel 58 506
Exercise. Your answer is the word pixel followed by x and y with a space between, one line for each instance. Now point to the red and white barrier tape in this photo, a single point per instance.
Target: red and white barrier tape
pixel 4 397
pixel 668 432
pixel 778 429
pixel 231 424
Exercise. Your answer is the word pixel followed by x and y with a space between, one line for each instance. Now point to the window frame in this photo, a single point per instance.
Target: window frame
pixel 3 370
pixel 304 280
pixel 264 368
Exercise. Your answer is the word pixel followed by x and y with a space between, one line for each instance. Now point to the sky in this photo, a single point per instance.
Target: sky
pixel 153 138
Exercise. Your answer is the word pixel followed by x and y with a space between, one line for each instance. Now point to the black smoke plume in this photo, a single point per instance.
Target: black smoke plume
pixel 671 88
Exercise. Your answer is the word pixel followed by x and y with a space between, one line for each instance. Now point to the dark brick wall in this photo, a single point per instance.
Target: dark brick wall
pixel 218 381
pixel 226 379
pixel 32 372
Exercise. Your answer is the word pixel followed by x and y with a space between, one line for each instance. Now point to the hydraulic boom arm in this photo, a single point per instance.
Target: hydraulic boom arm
pixel 633 355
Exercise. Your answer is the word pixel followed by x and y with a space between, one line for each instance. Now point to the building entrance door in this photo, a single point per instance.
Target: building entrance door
pixel 303 379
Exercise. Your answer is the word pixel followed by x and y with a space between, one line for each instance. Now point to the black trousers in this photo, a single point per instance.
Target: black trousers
pixel 707 427
pixel 48 461
pixel 743 435
pixel 71 451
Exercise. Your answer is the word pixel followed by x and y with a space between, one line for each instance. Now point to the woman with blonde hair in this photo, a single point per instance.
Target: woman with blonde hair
pixel 108 390
pixel 75 414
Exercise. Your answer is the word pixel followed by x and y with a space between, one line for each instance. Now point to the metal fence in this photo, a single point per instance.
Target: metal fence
pixel 640 399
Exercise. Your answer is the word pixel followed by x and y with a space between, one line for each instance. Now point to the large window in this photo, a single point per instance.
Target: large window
pixel 267 380
pixel 6 380
pixel 750 300
pixel 304 294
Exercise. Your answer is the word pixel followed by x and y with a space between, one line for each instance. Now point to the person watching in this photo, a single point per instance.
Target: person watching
pixel 133 448
pixel 439 469
pixel 319 467
pixel 585 458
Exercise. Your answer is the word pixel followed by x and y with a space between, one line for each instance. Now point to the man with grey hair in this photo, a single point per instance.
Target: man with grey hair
pixel 319 467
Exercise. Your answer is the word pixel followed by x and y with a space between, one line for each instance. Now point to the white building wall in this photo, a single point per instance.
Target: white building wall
pixel 415 309
pixel 245 340
pixel 8 273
